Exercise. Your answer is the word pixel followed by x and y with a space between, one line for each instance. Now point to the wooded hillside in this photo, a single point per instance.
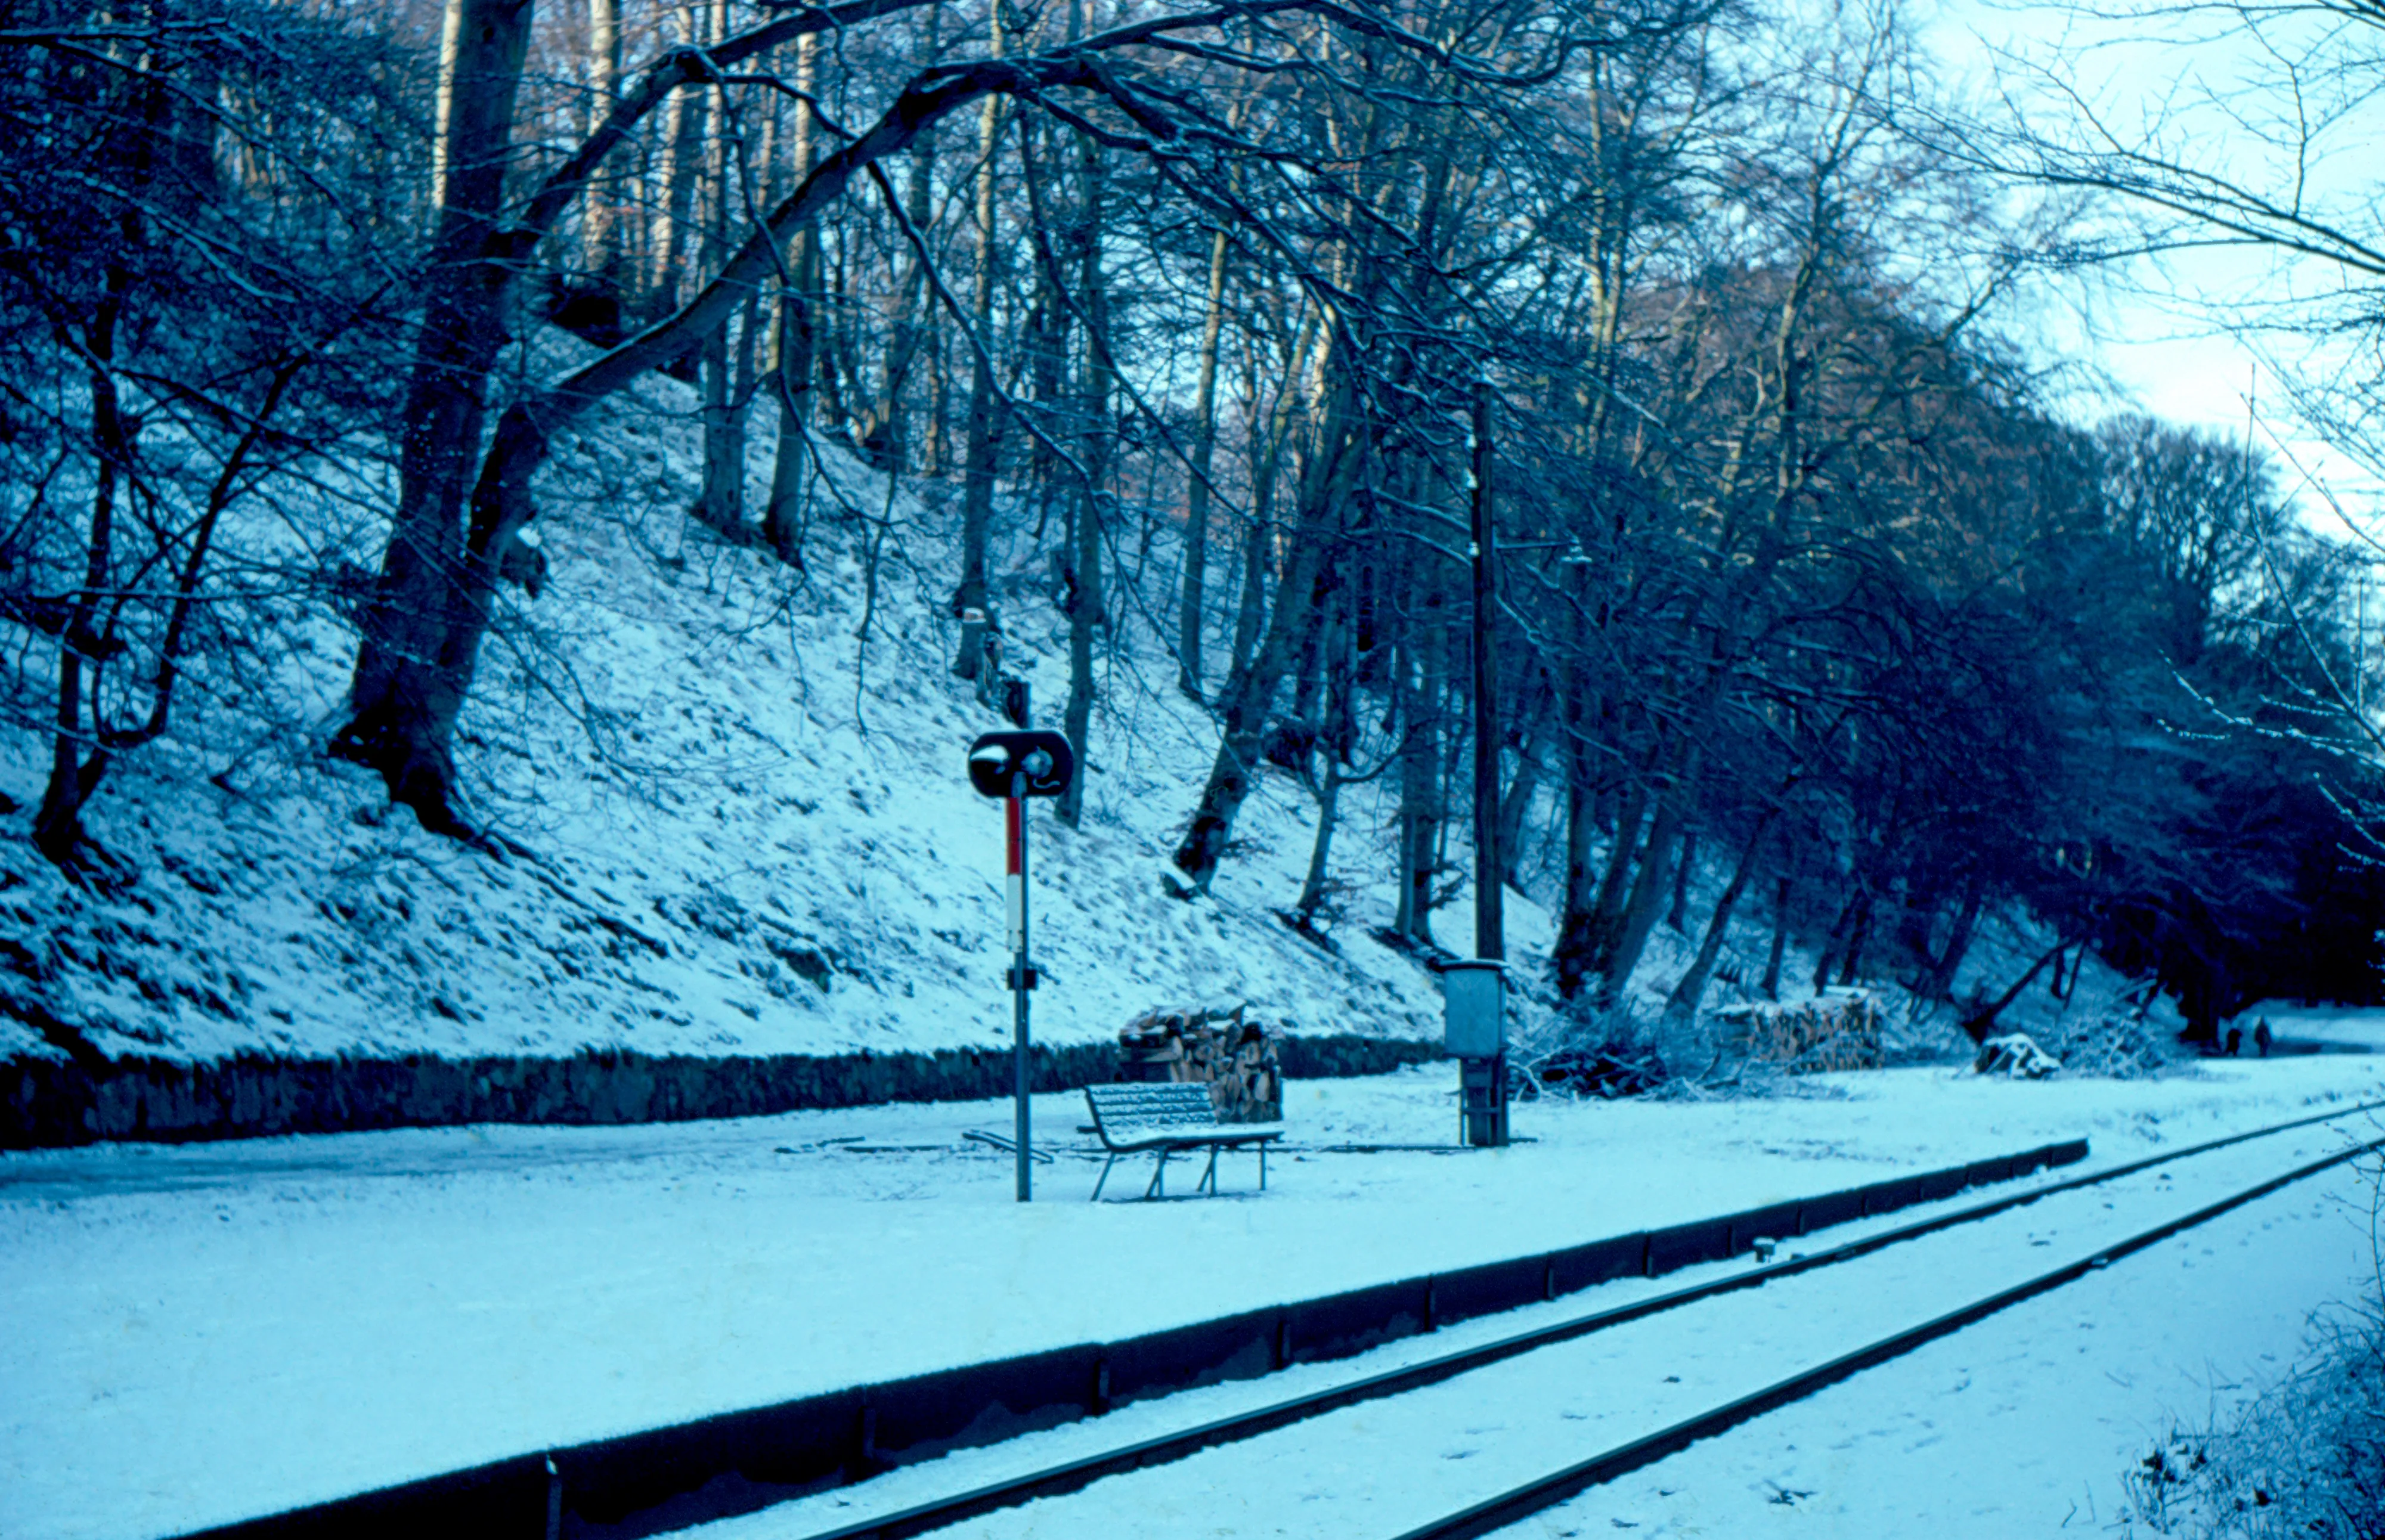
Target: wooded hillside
pixel 1165 356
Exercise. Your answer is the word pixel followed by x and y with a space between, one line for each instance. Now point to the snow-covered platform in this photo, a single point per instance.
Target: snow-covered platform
pixel 198 1335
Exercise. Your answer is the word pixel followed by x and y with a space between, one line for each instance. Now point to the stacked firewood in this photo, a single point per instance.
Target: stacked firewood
pixel 1226 1050
pixel 1837 1030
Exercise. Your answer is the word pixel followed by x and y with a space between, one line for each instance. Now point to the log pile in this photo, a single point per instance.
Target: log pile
pixel 1836 1030
pixel 1234 1055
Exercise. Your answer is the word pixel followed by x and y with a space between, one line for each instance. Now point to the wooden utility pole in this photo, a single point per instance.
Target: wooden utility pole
pixel 1476 992
pixel 1490 885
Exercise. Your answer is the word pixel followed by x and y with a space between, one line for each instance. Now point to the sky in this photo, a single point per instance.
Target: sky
pixel 2160 332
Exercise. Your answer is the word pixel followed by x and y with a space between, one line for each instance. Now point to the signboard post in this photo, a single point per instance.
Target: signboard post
pixel 1013 767
pixel 1475 1035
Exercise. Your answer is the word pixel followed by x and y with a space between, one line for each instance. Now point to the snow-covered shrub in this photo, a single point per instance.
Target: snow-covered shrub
pixel 1610 1053
pixel 1588 1072
pixel 1626 1052
pixel 2305 1460
pixel 2120 1043
pixel 1918 1029
pixel 2015 1053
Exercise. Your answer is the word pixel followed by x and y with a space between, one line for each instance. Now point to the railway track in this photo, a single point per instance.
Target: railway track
pixel 2229 1174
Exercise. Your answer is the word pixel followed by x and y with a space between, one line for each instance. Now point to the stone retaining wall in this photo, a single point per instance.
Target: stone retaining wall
pixel 53 1102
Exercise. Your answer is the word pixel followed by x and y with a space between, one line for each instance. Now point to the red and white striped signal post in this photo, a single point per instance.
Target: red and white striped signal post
pixel 1013 767
pixel 1014 863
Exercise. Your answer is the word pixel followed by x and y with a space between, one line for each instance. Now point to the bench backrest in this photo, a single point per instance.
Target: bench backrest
pixel 1152 1105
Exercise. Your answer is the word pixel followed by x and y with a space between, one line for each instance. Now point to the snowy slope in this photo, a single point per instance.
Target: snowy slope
pixel 748 826
pixel 733 814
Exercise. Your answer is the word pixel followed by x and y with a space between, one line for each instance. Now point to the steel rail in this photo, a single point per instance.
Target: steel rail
pixel 1520 1502
pixel 1165 1449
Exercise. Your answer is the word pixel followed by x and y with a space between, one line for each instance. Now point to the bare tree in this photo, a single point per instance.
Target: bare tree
pixel 433 606
pixel 207 333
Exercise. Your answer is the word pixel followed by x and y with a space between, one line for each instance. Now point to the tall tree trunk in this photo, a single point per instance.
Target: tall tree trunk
pixel 1085 614
pixel 1979 1023
pixel 682 173
pixel 1251 605
pixel 1691 990
pixel 1515 805
pixel 1639 918
pixel 451 35
pixel 58 824
pixel 1678 916
pixel 782 520
pixel 741 404
pixel 839 347
pixel 1197 495
pixel 1516 802
pixel 890 417
pixel 1779 939
pixel 601 221
pixel 1250 609
pixel 1585 941
pixel 936 432
pixel 1088 610
pixel 1840 929
pixel 1939 984
pixel 1338 737
pixel 721 502
pixel 1328 484
pixel 1045 341
pixel 1420 805
pixel 1851 963
pixel 657 237
pixel 1329 802
pixel 982 445
pixel 1571 951
pixel 414 662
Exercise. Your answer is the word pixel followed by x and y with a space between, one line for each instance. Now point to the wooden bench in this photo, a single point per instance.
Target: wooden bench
pixel 1167 1117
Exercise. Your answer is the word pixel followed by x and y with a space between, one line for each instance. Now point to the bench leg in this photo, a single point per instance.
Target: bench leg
pixel 1106 1176
pixel 1263 1167
pixel 1209 1177
pixel 1158 1177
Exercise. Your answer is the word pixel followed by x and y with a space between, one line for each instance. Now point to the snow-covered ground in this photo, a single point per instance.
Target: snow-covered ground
pixel 195 1335
pixel 738 824
pixel 2332 1029
pixel 2052 1405
pixel 2037 1420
